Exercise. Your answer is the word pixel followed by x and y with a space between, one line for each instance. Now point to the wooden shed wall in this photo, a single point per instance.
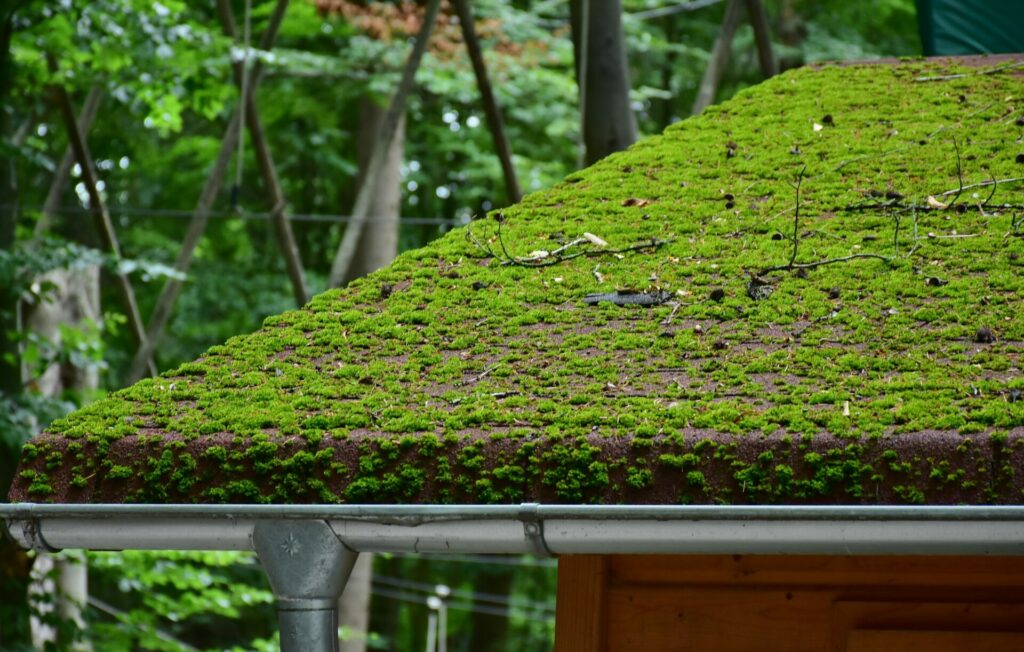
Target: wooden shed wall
pixel 793 603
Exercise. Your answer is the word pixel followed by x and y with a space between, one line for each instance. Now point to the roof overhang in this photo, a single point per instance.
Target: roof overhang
pixel 537 529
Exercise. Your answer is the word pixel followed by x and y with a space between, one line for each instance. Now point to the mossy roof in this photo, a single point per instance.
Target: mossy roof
pixel 474 371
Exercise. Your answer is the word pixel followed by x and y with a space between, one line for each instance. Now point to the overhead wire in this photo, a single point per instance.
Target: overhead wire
pixel 476 596
pixel 494 560
pixel 403 596
pixel 138 212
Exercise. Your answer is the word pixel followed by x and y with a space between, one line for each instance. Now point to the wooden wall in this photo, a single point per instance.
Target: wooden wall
pixel 789 603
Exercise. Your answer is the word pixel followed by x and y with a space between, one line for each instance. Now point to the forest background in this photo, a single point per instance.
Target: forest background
pixel 159 76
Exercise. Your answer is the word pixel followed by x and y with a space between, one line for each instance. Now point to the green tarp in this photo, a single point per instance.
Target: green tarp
pixel 951 27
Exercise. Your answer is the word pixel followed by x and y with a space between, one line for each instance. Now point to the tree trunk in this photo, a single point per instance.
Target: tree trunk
pixel 490 630
pixel 61 580
pixel 354 605
pixel 385 611
pixel 719 57
pixel 345 254
pixel 378 241
pixel 15 565
pixel 9 366
pixel 602 73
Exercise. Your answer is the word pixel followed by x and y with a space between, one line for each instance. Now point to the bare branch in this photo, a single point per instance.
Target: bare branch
pixel 986 71
pixel 982 185
pixel 828 261
pixel 796 216
pixel 959 174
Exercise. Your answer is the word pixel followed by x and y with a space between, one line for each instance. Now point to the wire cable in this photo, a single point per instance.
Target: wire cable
pixel 138 212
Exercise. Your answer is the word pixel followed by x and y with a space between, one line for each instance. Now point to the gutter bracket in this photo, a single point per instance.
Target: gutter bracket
pixel 308 567
pixel 533 529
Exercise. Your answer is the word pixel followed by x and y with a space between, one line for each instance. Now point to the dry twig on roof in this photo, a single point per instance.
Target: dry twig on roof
pixel 987 71
pixel 543 258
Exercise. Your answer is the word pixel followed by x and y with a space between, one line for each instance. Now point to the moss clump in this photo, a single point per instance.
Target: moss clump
pixel 477 380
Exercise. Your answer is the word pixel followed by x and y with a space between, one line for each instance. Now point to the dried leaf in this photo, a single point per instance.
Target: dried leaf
pixel 935 203
pixel 636 201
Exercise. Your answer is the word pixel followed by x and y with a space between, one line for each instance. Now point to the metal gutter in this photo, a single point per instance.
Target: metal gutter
pixel 535 528
pixel 308 551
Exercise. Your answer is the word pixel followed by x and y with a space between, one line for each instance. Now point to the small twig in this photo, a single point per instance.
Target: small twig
pixel 871 156
pixel 959 174
pixel 501 241
pixel 917 242
pixel 667 321
pixel 987 71
pixel 886 205
pixel 796 216
pixel 819 263
pixel 895 233
pixel 577 241
pixel 933 236
pixel 966 117
pixel 1015 223
pixel 992 182
pixel 916 207
pixel 476 241
pixel 995 184
pixel 653 243
pixel 484 373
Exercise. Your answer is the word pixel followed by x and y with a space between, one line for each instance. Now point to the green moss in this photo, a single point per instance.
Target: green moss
pixel 119 472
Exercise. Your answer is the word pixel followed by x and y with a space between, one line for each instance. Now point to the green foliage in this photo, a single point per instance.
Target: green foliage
pixel 110 41
pixel 176 601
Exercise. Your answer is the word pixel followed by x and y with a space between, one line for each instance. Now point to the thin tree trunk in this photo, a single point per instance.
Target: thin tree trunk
pixel 196 227
pixel 104 226
pixel 60 177
pixel 10 377
pixel 602 73
pixel 763 37
pixel 490 630
pixel 719 56
pixel 494 121
pixel 15 565
pixel 275 193
pixel 349 242
pixel 378 242
pixel 354 605
pixel 385 612
pixel 62 579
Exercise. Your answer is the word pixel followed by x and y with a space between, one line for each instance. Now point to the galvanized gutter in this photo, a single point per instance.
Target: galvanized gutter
pixel 535 528
pixel 308 551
